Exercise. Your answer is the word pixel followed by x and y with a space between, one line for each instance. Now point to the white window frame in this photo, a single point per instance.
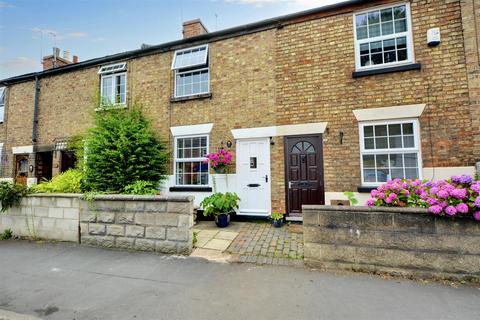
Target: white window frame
pixel 113 68
pixel 201 159
pixel 190 71
pixel 408 34
pixel 190 49
pixel 3 91
pixel 416 149
pixel 112 94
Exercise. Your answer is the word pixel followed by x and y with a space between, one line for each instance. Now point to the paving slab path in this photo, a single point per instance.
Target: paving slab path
pixel 68 281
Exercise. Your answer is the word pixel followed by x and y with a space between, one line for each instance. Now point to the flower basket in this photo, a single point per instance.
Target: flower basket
pixel 219 160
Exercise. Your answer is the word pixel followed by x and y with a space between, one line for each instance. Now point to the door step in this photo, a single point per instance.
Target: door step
pixel 294 218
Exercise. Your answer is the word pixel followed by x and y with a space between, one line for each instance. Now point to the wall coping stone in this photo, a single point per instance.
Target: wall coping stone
pixel 119 197
pixel 57 195
pixel 374 210
pixel 365 209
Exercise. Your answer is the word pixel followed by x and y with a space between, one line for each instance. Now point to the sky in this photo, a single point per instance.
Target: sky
pixel 29 29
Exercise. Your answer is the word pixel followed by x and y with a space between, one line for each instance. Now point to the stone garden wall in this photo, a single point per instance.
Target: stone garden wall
pixel 147 223
pixel 53 217
pixel 404 241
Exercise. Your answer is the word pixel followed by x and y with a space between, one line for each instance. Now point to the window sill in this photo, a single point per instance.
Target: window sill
pixel 193 97
pixel 365 189
pixel 373 72
pixel 117 106
pixel 190 189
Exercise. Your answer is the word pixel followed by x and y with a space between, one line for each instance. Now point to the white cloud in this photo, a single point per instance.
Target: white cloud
pixel 4 4
pixel 79 34
pixel 58 35
pixel 20 63
pixel 47 33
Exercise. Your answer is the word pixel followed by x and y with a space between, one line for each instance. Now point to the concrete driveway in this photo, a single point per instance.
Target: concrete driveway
pixel 67 281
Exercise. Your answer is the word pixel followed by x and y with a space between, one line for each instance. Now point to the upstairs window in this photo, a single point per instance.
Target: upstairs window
pixel 113 84
pixel 383 37
pixel 389 150
pixel 2 103
pixel 192 75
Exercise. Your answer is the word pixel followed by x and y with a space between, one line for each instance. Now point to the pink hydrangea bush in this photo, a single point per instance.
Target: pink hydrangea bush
pixel 458 196
pixel 219 160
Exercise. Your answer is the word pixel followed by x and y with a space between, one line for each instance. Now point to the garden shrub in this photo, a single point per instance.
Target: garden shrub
pixel 6 234
pixel 120 150
pixel 11 194
pixel 141 187
pixel 67 182
pixel 458 196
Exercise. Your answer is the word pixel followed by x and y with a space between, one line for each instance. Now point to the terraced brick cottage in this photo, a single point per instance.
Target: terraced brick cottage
pixel 334 99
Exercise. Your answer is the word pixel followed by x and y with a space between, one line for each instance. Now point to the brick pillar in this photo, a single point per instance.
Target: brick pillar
pixel 471 35
pixel 56 163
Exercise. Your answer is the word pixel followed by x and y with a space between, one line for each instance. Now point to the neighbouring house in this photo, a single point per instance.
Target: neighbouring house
pixel 312 104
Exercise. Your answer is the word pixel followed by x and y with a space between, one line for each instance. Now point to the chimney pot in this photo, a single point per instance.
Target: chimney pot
pixel 193 28
pixel 66 55
pixel 75 59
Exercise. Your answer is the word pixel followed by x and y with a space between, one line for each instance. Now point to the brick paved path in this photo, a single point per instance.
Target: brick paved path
pixel 261 243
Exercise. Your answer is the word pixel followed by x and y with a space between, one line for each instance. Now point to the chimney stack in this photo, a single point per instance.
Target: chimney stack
pixel 193 28
pixel 55 60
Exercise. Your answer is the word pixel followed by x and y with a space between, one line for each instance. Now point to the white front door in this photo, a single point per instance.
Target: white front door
pixel 253 176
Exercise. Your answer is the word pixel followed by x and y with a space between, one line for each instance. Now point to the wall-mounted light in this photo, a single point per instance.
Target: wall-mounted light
pixel 272 142
pixel 228 143
pixel 30 168
pixel 341 137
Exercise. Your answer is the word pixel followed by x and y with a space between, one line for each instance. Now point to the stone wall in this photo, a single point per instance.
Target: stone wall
pixel 404 241
pixel 146 223
pixel 53 217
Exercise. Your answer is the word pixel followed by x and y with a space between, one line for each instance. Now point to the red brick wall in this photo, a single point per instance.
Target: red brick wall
pixel 315 61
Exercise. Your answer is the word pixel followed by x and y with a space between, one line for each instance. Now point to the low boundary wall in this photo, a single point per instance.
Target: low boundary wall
pixel 147 223
pixel 403 241
pixel 53 217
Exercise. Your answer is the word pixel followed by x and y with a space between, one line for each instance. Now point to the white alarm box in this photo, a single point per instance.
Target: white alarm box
pixel 433 37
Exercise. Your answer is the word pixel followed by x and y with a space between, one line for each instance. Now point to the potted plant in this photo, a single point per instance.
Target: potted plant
pixel 277 219
pixel 219 160
pixel 220 205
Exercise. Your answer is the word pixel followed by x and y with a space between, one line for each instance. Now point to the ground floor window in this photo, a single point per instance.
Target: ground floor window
pixel 389 150
pixel 190 166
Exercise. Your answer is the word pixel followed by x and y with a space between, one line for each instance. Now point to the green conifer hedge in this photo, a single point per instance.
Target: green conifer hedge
pixel 122 149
